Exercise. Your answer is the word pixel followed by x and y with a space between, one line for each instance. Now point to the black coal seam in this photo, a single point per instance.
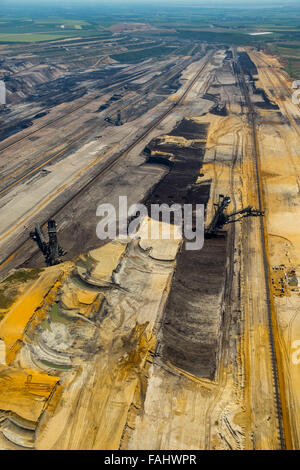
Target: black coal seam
pixel 189 335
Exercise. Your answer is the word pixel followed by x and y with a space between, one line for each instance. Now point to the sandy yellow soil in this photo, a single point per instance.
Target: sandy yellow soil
pixel 14 324
pixel 280 162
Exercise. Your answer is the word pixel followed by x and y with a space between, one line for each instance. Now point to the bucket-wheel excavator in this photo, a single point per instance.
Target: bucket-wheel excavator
pixel 51 250
pixel 220 218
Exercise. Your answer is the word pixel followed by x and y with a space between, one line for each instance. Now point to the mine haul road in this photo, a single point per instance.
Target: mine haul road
pixel 21 173
pixel 114 86
pixel 262 311
pixel 278 139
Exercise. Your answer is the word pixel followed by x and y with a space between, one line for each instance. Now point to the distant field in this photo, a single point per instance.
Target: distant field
pixel 290 53
pixel 293 68
pixel 45 29
pixel 29 37
pixel 60 21
pixel 217 37
pixel 289 46
pixel 174 24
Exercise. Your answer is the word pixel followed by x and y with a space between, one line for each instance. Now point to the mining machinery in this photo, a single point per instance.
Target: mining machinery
pixel 220 218
pixel 220 109
pixel 119 120
pixel 51 250
pixel 115 122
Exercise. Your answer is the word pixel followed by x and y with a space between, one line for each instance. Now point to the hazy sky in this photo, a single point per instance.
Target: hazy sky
pixel 182 3
pixel 44 6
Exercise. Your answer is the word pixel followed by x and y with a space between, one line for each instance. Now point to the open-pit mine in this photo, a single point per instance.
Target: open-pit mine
pixel 139 342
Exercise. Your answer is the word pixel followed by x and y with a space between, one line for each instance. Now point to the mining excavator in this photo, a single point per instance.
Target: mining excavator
pixel 51 250
pixel 220 218
pixel 115 122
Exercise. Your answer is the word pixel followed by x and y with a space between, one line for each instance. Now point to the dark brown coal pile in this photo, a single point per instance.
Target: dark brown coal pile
pixel 192 319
